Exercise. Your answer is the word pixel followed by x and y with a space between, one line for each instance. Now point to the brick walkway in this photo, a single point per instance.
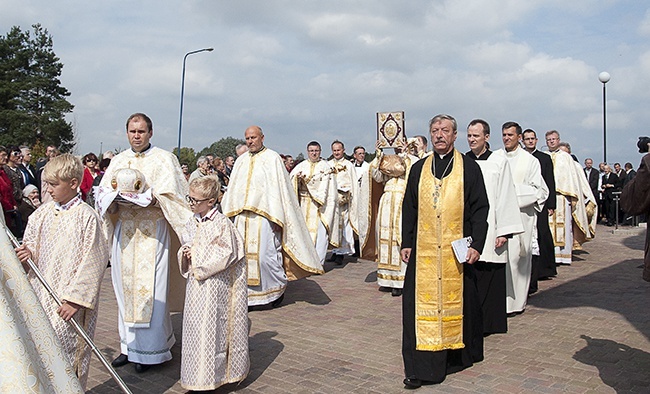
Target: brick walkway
pixel 588 330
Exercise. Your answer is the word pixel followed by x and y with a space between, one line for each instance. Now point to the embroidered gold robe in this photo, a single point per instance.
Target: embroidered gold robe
pixel 260 190
pixel 32 359
pixel 142 238
pixel 215 317
pixel 74 266
pixel 315 186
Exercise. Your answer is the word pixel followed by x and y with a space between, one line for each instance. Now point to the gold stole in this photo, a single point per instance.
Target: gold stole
pixel 557 221
pixel 138 262
pixel 438 276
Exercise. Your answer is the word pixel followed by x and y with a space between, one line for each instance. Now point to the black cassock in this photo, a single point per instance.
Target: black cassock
pixel 434 366
pixel 544 264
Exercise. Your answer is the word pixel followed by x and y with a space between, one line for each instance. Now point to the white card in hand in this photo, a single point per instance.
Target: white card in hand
pixel 461 246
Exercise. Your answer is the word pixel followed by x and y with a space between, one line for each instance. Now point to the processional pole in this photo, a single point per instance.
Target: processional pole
pixel 77 327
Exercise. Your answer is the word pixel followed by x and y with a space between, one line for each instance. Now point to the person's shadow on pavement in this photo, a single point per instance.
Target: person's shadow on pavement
pixel 611 357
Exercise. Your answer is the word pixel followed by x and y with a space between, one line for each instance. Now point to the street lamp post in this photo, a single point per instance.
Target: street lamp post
pixel 604 78
pixel 180 117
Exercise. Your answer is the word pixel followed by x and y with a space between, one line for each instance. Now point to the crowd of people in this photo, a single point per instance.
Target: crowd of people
pixel 462 238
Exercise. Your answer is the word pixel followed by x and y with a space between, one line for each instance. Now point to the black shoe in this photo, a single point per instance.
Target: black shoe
pixel 339 259
pixel 332 257
pixel 277 302
pixel 412 383
pixel 140 368
pixel 121 360
pixel 396 292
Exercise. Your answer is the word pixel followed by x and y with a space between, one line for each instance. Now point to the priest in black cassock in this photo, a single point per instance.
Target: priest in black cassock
pixel 445 200
pixel 544 266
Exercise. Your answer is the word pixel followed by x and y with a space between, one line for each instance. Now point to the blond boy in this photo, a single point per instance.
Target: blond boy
pixel 215 317
pixel 65 240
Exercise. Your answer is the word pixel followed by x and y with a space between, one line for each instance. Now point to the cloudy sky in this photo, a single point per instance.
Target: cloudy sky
pixel 306 70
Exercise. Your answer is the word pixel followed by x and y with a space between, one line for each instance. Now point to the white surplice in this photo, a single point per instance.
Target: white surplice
pixel 215 316
pixel 503 216
pixel 532 192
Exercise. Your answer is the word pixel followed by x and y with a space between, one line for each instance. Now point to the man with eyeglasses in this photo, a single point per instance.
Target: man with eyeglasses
pixel 12 168
pixel 141 236
pixel 573 203
pixel 315 185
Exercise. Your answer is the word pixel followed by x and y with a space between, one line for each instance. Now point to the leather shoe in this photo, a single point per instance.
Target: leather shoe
pixel 412 383
pixel 396 292
pixel 140 368
pixel 121 360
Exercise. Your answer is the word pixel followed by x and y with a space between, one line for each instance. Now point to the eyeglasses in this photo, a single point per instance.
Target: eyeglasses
pixel 193 201
pixel 17 154
pixel 91 160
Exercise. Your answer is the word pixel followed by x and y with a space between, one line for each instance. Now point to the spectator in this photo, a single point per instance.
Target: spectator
pixel 90 173
pixel 30 202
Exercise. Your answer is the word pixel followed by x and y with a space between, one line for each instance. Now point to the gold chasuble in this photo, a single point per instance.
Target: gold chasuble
pixel 438 275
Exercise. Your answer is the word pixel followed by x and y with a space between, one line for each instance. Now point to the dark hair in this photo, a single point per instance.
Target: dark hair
pixel 530 131
pixel 313 143
pixel 89 156
pixel 337 142
pixel 422 138
pixel 358 147
pixel 486 126
pixel 508 125
pixel 103 164
pixel 140 115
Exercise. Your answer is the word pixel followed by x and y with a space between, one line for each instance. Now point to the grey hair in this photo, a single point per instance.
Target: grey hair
pixel 201 160
pixel 441 117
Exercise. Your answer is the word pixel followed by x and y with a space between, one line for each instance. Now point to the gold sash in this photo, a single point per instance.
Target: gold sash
pixel 438 275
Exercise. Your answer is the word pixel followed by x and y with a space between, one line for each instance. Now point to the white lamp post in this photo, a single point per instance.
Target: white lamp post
pixel 604 78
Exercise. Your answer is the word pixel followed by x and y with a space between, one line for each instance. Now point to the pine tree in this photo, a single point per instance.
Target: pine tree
pixel 33 103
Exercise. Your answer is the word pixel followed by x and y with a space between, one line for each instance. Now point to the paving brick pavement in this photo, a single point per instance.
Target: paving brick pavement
pixel 588 330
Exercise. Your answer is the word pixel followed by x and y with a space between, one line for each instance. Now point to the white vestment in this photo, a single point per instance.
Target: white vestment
pixel 266 213
pixel 532 192
pixel 391 269
pixel 348 200
pixel 215 316
pixel 33 359
pixel 74 266
pixel 315 186
pixel 363 204
pixel 503 217
pixel 574 220
pixel 140 253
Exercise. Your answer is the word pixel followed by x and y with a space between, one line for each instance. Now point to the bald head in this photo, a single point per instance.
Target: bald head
pixel 254 139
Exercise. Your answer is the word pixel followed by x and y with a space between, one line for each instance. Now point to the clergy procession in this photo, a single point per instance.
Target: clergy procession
pixel 462 240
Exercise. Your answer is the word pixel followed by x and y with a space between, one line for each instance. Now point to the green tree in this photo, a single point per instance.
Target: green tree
pixel 32 101
pixel 223 148
pixel 187 156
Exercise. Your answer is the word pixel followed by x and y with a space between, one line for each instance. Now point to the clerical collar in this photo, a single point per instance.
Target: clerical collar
pixel 483 156
pixel 442 166
pixel 76 200
pixel 143 152
pixel 208 216
pixel 359 165
pixel 443 156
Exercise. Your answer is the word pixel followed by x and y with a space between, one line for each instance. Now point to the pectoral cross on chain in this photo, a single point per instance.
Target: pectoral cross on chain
pixel 436 196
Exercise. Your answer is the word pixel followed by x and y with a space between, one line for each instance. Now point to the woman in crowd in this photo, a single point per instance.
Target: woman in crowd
pixel 31 201
pixel 90 172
